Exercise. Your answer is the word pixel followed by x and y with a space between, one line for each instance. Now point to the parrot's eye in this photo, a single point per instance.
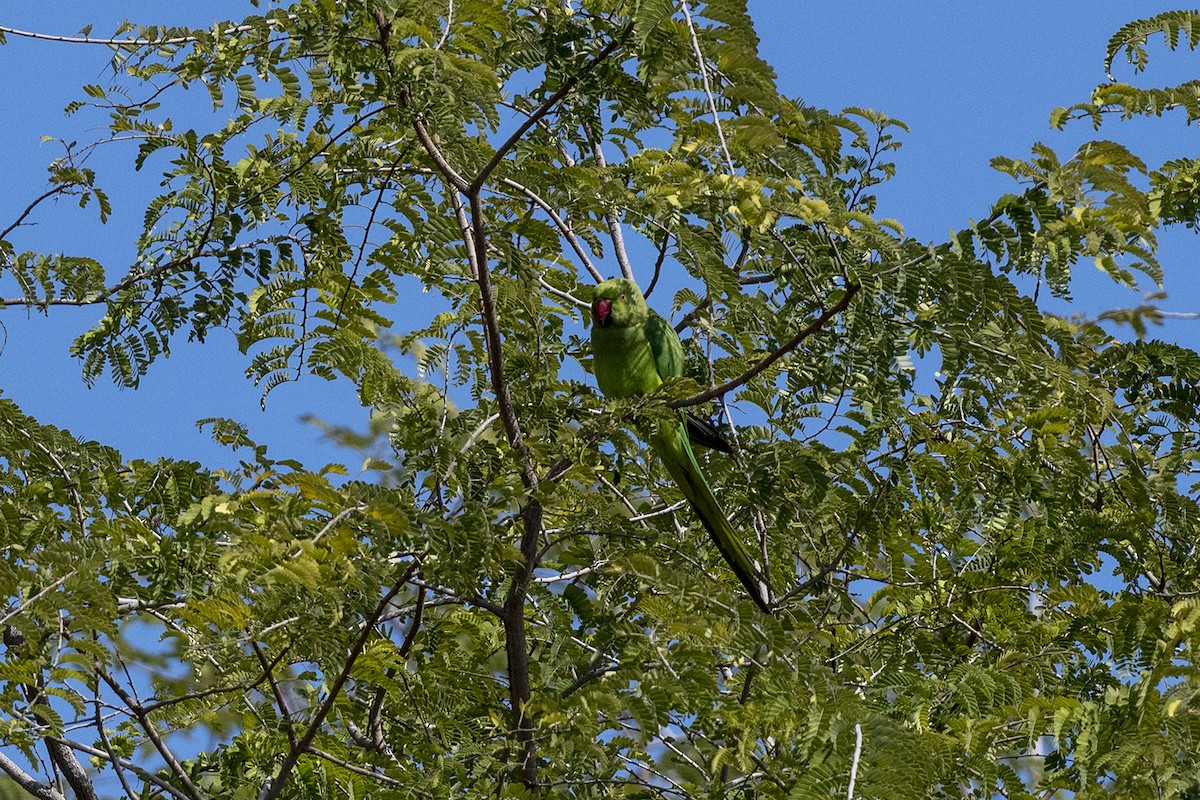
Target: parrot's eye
pixel 622 298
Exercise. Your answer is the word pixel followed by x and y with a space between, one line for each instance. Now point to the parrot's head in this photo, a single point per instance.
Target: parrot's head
pixel 618 303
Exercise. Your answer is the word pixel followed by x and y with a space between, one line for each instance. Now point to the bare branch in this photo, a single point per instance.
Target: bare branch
pixel 458 182
pixel 130 42
pixel 658 262
pixel 16 612
pixel 341 515
pixel 276 690
pixel 377 776
pixel 144 774
pixel 544 109
pixel 780 352
pixel 467 445
pixel 858 742
pixel 563 226
pixel 53 192
pixel 102 733
pixel 712 103
pixel 72 770
pixel 449 22
pixel 151 730
pixel 44 791
pixel 273 787
pixel 613 221
pixel 561 295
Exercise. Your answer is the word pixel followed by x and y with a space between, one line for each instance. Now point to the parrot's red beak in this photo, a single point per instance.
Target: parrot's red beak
pixel 601 311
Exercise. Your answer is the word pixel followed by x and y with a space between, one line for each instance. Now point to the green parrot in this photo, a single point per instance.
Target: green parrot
pixel 634 350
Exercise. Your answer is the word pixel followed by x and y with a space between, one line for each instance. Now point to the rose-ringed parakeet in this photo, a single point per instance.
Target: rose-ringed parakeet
pixel 634 351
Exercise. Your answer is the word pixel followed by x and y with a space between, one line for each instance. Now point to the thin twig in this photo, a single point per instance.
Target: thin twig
pixel 66 187
pixel 658 262
pixel 276 690
pixel 449 22
pixel 467 445
pixel 102 732
pixel 20 608
pixel 858 741
pixel 712 103
pixel 563 226
pixel 341 515
pixel 131 42
pixel 151 730
pixel 144 774
pixel 566 297
pixel 378 776
pixel 612 221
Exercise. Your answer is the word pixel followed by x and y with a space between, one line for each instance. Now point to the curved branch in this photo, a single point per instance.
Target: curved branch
pixel 275 786
pixel 57 190
pixel 544 109
pixel 805 332
pixel 563 226
pixel 457 181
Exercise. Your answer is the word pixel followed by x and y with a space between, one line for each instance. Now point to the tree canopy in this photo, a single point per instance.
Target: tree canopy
pixel 979 517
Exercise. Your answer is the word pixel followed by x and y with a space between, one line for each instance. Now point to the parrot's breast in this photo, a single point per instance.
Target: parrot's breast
pixel 623 362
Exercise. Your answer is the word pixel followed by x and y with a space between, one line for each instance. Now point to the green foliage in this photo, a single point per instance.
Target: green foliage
pixel 978 517
pixel 1132 37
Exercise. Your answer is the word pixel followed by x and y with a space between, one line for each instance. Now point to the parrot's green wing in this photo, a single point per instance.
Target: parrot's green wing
pixel 665 344
pixel 668 360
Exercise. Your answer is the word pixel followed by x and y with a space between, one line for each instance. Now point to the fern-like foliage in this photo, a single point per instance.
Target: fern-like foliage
pixel 1133 36
pixel 978 516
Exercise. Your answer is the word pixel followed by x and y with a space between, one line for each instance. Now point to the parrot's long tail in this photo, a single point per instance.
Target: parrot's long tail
pixel 680 461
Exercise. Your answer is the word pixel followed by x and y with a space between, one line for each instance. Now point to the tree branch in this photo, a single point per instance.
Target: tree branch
pixel 113 759
pixel 613 221
pixel 153 272
pixel 708 93
pixel 544 109
pixel 513 611
pixel 131 42
pixel 147 725
pixel 65 760
pixel 273 787
pixel 43 791
pixel 144 774
pixel 457 182
pixel 276 690
pixel 858 741
pixel 658 262
pixel 57 190
pixel 783 350
pixel 563 226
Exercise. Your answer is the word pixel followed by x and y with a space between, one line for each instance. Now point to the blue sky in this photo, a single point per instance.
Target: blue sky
pixel 972 81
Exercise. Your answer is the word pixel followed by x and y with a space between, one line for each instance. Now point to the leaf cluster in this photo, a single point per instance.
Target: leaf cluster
pixel 978 516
